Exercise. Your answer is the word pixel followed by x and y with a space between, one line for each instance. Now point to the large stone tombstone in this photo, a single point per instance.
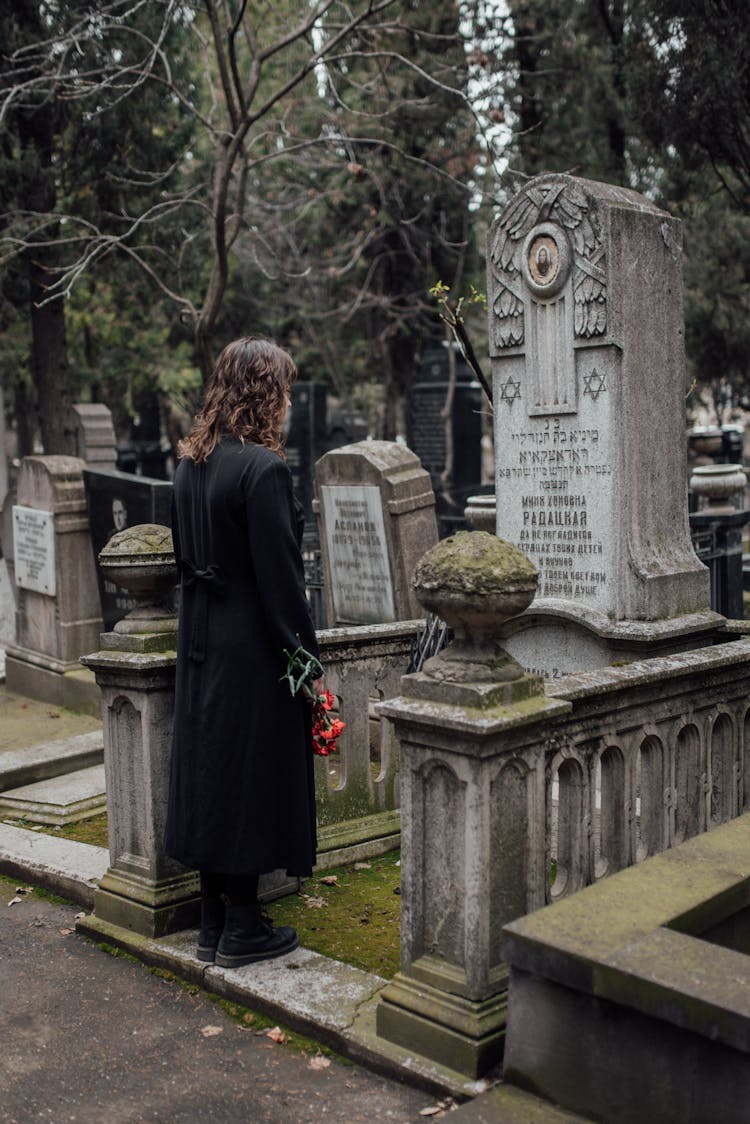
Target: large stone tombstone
pixel 586 340
pixel 429 438
pixel 117 500
pixel 377 518
pixel 57 613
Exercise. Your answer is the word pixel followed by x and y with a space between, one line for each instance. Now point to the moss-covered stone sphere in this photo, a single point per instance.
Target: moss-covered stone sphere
pixel 142 540
pixel 475 562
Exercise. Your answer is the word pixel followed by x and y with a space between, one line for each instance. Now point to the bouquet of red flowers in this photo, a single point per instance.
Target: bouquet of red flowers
pixel 302 669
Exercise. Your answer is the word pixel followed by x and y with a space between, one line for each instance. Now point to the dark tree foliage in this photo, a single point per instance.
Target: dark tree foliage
pixel 84 161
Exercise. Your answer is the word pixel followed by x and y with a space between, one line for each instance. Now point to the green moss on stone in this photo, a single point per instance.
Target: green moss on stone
pixel 475 562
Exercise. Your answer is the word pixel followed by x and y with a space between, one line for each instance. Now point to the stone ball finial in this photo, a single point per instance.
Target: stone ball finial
pixel 141 560
pixel 475 582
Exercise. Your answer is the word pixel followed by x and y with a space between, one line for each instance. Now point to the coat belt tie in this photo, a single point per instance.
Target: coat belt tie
pixel 201 580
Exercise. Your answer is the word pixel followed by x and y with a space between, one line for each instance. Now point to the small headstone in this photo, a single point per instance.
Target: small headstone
pixel 58 617
pixel 586 339
pixel 91 422
pixel 428 437
pixel 377 518
pixel 117 500
pixel 306 441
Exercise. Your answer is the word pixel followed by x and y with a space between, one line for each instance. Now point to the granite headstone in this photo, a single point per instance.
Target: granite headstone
pixel 586 340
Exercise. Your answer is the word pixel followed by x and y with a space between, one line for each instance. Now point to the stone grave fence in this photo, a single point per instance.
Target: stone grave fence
pixel 516 794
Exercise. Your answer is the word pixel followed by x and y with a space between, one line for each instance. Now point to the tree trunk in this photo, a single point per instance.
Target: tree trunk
pixel 49 358
pixel 49 350
pixel 24 420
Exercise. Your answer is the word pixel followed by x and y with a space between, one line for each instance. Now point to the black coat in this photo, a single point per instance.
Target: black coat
pixel 241 795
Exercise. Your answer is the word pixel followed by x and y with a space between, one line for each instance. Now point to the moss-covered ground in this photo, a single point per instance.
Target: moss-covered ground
pixel 352 913
pixel 93 831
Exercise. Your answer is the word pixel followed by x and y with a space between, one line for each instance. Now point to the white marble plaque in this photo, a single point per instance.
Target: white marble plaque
pixel 34 549
pixel 360 571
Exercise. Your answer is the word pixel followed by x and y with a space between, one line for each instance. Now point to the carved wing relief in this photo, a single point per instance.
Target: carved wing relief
pixel 568 205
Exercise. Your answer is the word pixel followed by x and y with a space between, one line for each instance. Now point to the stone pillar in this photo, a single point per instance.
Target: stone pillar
pixel 376 509
pixel 58 616
pixel 143 890
pixel 469 808
pixel 587 346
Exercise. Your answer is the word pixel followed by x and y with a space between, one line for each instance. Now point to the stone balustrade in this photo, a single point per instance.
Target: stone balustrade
pixel 358 788
pixel 649 755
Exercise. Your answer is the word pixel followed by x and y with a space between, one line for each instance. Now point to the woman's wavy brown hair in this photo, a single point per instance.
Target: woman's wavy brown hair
pixel 245 398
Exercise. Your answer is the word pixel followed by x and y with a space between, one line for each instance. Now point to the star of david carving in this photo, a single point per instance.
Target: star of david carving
pixel 594 384
pixel 510 390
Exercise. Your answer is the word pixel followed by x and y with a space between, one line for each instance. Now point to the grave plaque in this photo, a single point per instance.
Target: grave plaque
pixel 586 339
pixel 360 572
pixel 34 549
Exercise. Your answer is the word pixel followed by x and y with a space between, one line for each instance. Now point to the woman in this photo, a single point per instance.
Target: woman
pixel 241 797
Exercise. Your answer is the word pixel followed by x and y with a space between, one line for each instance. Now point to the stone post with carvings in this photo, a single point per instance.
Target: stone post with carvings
pixel 143 890
pixel 469 802
pixel 376 510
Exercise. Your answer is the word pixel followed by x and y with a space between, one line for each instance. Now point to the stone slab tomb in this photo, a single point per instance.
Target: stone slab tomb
pixel 586 340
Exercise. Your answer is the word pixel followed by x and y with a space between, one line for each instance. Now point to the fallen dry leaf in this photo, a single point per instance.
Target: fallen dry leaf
pixel 23 889
pixel 315 903
pixel 276 1034
pixel 66 932
pixel 319 1062
pixel 363 866
pixel 439 1109
pixel 330 880
pixel 211 1031
pixel 14 901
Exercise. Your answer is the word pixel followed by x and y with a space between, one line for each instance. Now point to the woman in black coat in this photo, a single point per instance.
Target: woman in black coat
pixel 242 796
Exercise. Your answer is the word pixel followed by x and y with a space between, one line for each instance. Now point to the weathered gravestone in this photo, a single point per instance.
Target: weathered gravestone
pixel 586 340
pixel 57 614
pixel 377 518
pixel 91 424
pixel 450 449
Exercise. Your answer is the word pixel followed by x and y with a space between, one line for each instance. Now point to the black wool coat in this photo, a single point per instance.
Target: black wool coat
pixel 241 795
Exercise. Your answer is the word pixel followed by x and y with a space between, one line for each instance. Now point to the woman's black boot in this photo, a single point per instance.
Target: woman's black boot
pixel 248 937
pixel 213 916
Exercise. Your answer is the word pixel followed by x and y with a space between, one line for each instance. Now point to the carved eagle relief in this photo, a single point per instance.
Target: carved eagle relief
pixel 568 206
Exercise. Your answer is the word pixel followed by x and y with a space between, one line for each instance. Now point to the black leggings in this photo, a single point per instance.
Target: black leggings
pixel 238 889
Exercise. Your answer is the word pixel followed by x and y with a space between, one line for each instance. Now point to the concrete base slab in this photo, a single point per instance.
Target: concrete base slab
pixel 62 866
pixel 73 687
pixel 50 759
pixel 505 1104
pixel 59 800
pixel 319 997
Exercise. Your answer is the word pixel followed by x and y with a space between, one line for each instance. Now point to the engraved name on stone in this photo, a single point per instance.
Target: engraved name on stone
pixel 360 570
pixel 557 476
pixel 34 549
